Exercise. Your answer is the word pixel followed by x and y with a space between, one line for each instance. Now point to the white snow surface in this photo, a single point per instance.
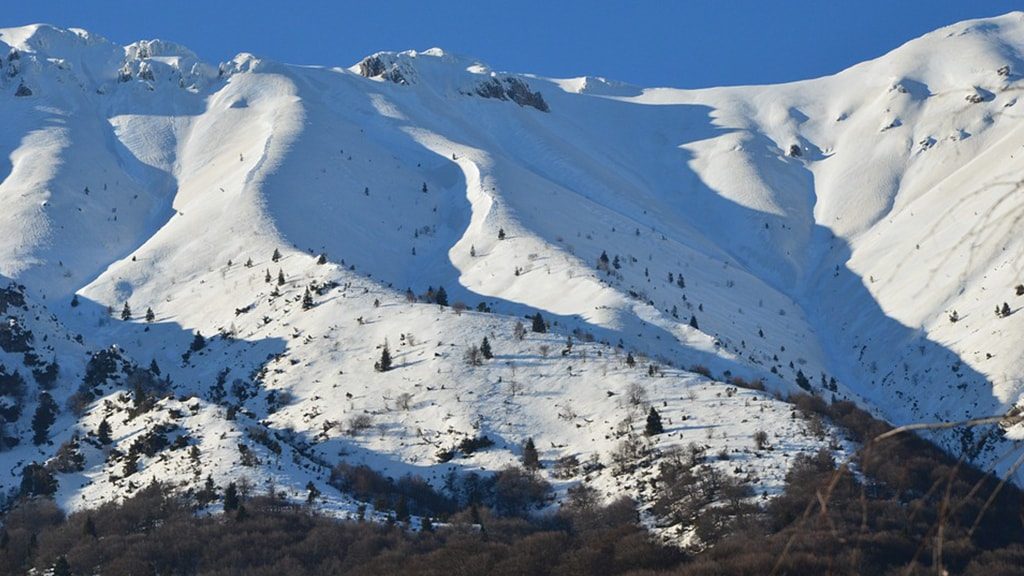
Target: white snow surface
pixel 830 226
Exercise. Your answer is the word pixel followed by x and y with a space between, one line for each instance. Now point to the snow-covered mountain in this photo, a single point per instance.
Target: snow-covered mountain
pixel 851 234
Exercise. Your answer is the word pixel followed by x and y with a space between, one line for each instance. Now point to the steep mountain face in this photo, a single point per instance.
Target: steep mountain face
pixel 851 235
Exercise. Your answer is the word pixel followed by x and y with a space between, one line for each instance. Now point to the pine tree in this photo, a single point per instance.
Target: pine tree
pixel 231 498
pixel 248 263
pixel 307 300
pixel 501 233
pixel 280 277
pixel 131 464
pixel 322 259
pixel 74 301
pixel 126 312
pixel 441 297
pixel 802 380
pixel 630 361
pixel 313 492
pixel 654 425
pixel 531 460
pixel 198 342
pixel 276 256
pixel 61 567
pixel 693 322
pixel 150 315
pixel 402 509
pixel 539 325
pixel 424 187
pixel 45 414
pixel 384 364
pixel 1005 310
pixel 604 257
pixel 103 432
pixel 485 349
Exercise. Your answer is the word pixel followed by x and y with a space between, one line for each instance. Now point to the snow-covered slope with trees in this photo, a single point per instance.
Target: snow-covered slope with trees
pixel 850 235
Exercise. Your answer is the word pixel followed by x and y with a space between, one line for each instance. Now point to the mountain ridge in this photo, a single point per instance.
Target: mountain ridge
pixel 760 232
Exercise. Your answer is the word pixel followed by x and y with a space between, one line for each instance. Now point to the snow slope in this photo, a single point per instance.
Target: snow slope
pixel 827 227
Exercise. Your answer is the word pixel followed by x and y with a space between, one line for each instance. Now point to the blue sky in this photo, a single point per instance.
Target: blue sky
pixel 683 43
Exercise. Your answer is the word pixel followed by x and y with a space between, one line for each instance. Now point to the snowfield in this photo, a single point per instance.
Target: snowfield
pixel 858 230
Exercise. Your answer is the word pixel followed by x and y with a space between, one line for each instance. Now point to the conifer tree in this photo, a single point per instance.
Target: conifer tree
pixel 154 368
pixel 654 425
pixel 384 364
pixel 248 263
pixel 630 361
pixel 501 233
pixel 424 187
pixel 45 414
pixel 307 300
pixel 485 349
pixel 61 567
pixel 231 498
pixel 126 312
pixel 313 492
pixel 131 464
pixel 89 527
pixel 441 297
pixel 74 301
pixel 198 342
pixel 322 259
pixel 693 322
pixel 402 509
pixel 276 256
pixel 280 277
pixel 539 325
pixel 150 315
pixel 531 460
pixel 103 432
pixel 267 277
pixel 802 380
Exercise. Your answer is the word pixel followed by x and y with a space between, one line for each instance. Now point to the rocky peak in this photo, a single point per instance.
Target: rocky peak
pixel 385 67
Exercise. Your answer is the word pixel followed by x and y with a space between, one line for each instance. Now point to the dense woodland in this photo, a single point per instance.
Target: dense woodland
pixel 908 510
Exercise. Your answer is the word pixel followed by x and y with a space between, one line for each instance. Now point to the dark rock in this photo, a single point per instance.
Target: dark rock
pixel 376 67
pixel 514 89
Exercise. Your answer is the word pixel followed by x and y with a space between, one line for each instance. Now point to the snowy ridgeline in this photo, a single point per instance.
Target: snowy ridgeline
pixel 210 260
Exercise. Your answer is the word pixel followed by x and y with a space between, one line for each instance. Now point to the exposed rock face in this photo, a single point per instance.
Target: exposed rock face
pixel 514 89
pixel 23 91
pixel 377 67
pixel 372 66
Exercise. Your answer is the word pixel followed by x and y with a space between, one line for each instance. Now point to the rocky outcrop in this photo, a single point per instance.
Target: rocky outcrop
pixel 377 67
pixel 514 89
